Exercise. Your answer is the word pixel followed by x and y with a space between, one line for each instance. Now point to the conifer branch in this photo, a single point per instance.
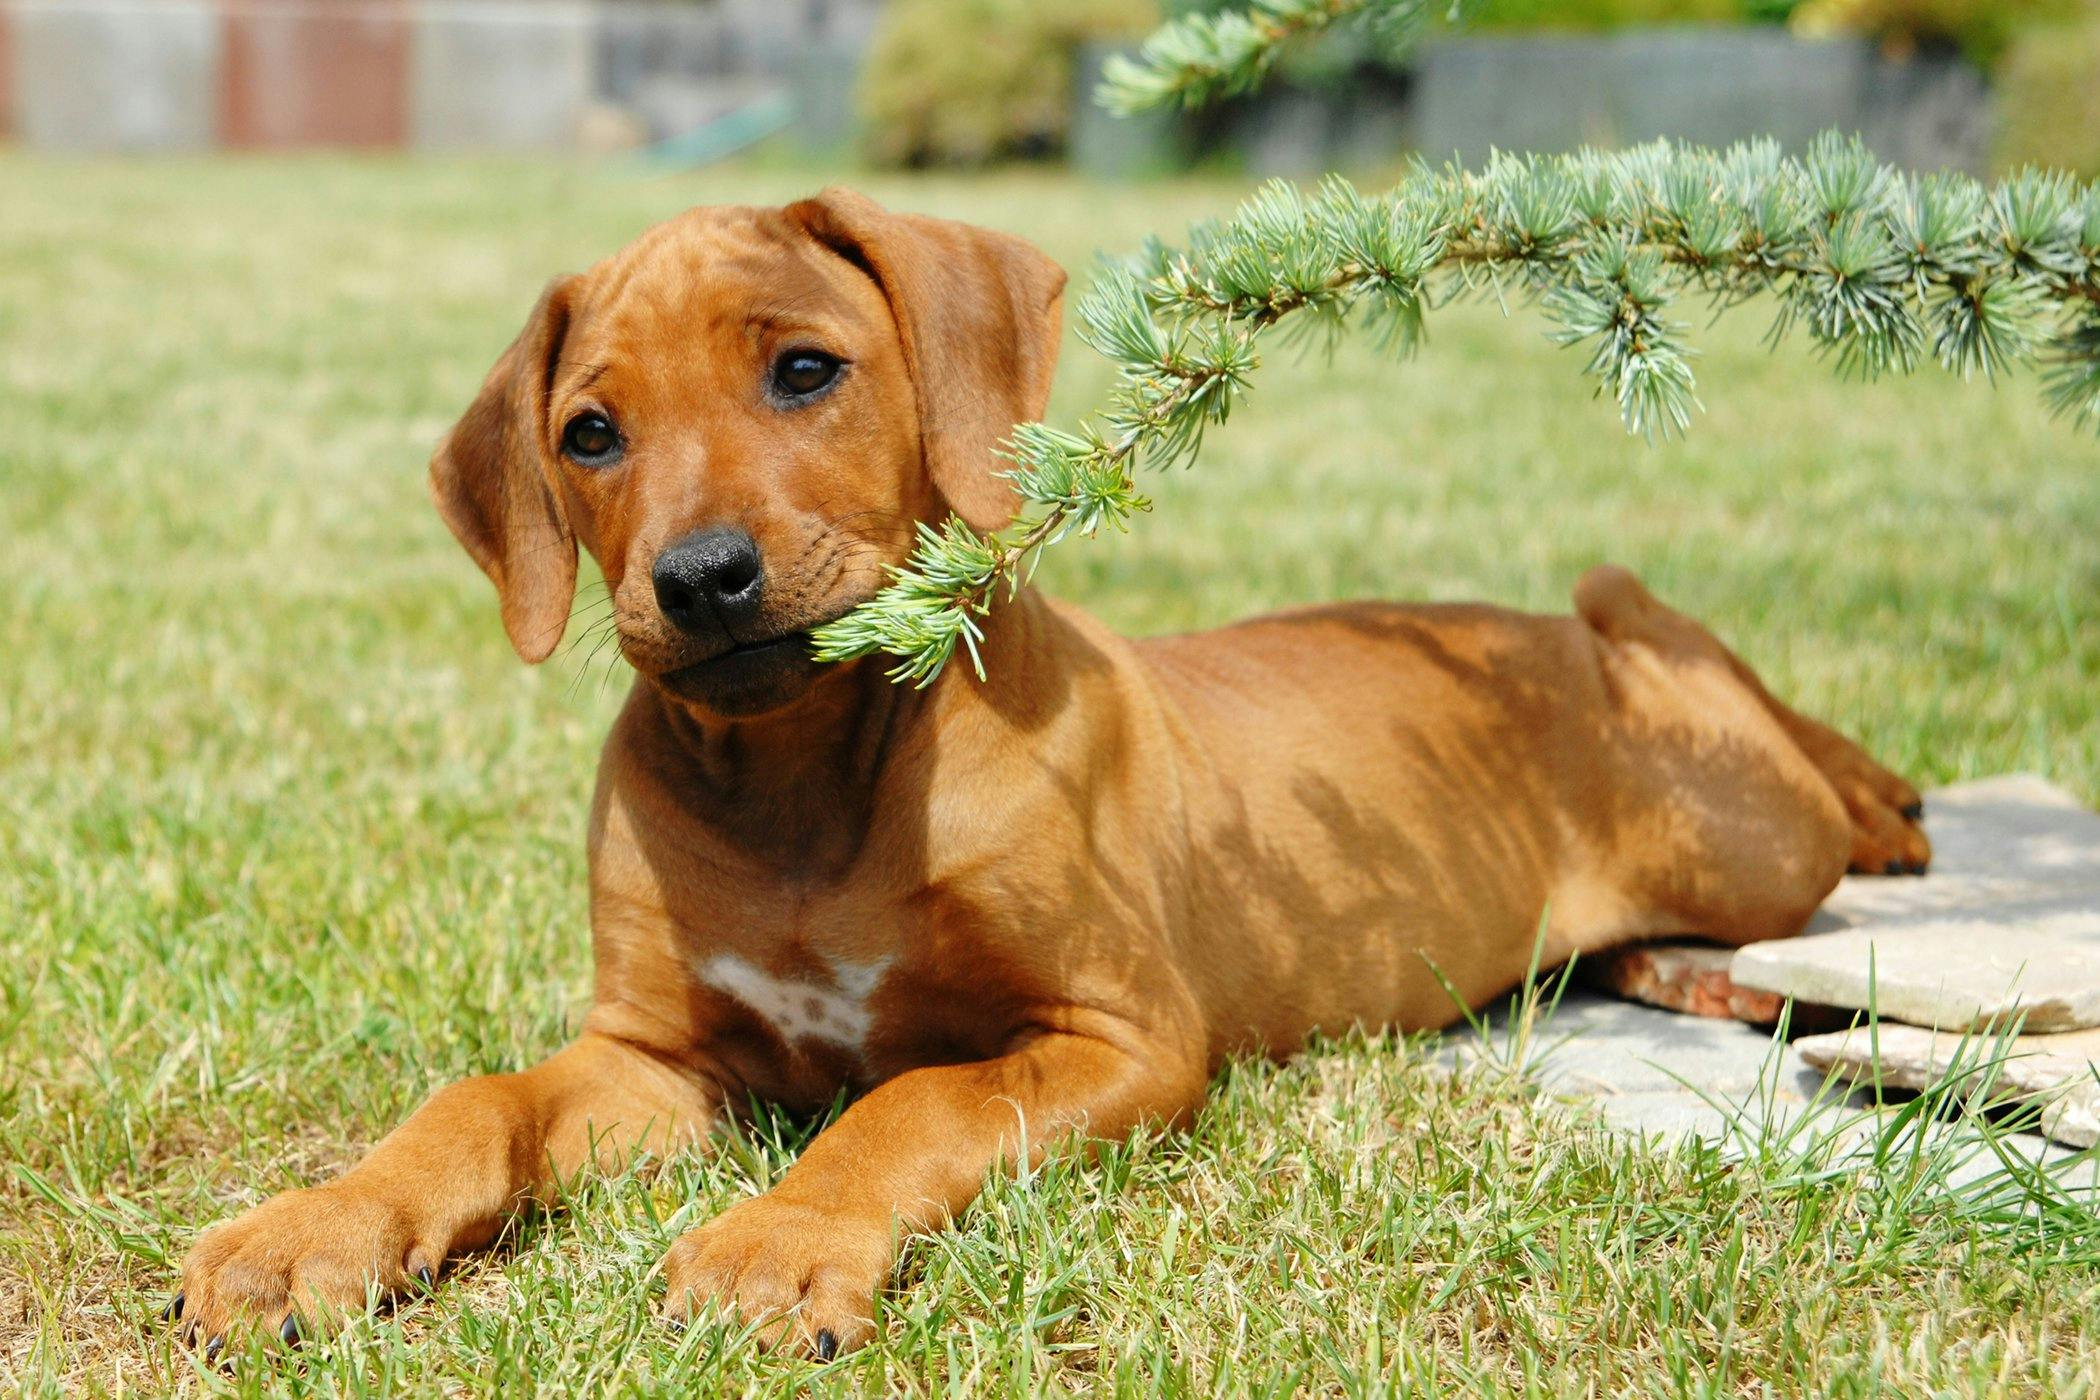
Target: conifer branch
pixel 1202 57
pixel 1880 270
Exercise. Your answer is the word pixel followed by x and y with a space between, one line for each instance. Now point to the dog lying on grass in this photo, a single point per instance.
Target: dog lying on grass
pixel 1006 912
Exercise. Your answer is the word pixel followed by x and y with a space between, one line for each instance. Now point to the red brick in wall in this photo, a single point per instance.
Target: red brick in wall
pixel 314 73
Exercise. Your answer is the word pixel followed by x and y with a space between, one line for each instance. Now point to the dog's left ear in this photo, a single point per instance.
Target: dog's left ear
pixel 979 314
pixel 492 479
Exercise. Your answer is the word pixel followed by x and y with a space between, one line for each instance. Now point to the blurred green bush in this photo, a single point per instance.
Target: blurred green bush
pixel 1624 14
pixel 2049 96
pixel 964 82
pixel 1982 29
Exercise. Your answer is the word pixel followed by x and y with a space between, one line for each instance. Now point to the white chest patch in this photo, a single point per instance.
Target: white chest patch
pixel 799 1010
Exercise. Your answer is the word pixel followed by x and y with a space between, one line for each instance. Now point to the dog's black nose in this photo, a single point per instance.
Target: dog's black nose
pixel 710 579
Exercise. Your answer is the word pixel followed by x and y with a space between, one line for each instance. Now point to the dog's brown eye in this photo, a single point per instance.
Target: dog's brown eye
pixel 800 373
pixel 591 439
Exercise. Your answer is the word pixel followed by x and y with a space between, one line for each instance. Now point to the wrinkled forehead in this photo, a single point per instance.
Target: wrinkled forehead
pixel 716 275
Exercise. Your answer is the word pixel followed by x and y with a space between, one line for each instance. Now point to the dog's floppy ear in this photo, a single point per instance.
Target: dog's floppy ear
pixel 493 482
pixel 979 315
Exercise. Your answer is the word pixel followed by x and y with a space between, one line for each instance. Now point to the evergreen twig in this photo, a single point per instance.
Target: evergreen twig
pixel 1202 57
pixel 1881 270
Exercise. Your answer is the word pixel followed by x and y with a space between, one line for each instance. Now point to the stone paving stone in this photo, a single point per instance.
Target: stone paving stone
pixel 2008 922
pixel 1653 1072
pixel 116 75
pixel 496 76
pixel 315 74
pixel 2058 1071
pixel 1691 978
pixel 1595 1045
pixel 1666 1077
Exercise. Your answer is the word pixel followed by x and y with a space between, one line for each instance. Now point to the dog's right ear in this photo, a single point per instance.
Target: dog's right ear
pixel 493 481
pixel 978 315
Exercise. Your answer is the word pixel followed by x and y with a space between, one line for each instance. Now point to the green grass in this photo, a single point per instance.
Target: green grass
pixel 287 838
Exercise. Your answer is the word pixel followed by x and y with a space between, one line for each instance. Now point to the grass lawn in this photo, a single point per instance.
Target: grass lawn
pixel 288 838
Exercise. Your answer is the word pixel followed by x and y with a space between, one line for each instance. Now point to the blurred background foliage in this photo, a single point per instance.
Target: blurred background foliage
pixel 2049 95
pixel 965 82
pixel 1981 29
pixel 970 82
pixel 1624 14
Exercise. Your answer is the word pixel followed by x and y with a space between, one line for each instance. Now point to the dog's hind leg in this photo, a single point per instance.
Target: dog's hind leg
pixel 1882 807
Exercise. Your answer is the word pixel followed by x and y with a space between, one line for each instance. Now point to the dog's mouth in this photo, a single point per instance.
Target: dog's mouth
pixel 749 677
pixel 742 659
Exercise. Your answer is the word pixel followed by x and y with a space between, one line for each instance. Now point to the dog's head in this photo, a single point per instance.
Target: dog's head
pixel 743 415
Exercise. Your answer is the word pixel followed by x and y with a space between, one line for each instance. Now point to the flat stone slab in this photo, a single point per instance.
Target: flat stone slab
pixel 1653 1072
pixel 1665 1077
pixel 2007 924
pixel 2058 1072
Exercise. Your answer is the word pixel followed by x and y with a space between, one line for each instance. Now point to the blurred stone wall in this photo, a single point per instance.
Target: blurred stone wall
pixel 147 75
pixel 1463 97
pixel 1713 86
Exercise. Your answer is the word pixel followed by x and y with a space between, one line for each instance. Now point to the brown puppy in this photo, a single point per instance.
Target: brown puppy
pixel 1009 911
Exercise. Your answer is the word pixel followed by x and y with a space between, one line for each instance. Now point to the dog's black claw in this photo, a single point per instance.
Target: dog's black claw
pixel 1894 867
pixel 213 1347
pixel 173 1311
pixel 290 1330
pixel 827 1345
pixel 425 1277
pixel 1915 867
pixel 677 1325
pixel 1914 811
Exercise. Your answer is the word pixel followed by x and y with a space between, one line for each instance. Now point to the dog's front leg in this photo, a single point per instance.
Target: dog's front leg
pixel 439 1184
pixel 808 1256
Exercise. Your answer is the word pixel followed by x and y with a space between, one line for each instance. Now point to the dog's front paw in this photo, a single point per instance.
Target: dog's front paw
pixel 806 1274
pixel 298 1263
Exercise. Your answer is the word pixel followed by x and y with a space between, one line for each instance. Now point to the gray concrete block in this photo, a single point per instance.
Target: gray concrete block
pixel 650 45
pixel 1714 86
pixel 1289 134
pixel 766 36
pixel 1717 86
pixel 1376 130
pixel 847 21
pixel 824 76
pixel 116 75
pixel 1515 94
pixel 1104 146
pixel 1928 113
pixel 500 76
